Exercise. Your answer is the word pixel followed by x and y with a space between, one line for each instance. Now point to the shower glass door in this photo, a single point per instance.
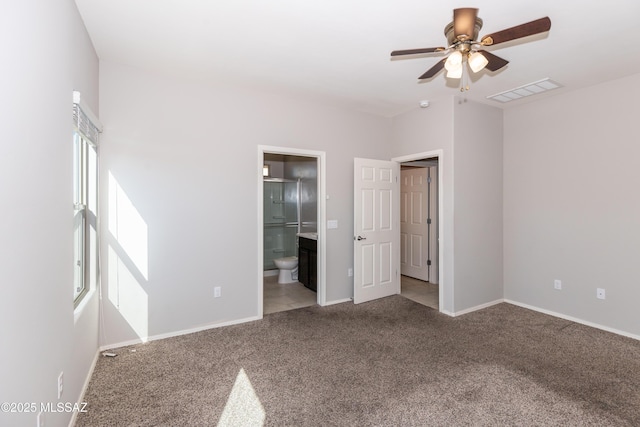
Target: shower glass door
pixel 280 220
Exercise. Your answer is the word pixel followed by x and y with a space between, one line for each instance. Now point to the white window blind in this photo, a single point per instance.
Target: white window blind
pixel 84 120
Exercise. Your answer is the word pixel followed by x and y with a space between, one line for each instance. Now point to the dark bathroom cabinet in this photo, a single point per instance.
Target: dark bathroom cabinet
pixel 308 263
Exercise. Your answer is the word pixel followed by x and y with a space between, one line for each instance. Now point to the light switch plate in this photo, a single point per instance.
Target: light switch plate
pixel 332 223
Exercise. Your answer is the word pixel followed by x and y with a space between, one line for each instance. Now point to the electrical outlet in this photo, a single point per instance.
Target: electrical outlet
pixel 60 384
pixel 557 284
pixel 350 272
pixel 600 294
pixel 217 292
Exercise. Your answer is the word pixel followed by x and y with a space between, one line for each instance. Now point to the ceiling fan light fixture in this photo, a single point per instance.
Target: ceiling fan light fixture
pixel 454 61
pixel 477 61
pixel 455 73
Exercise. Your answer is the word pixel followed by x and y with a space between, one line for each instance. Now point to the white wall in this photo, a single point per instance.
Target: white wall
pixel 184 155
pixel 477 204
pixel 572 205
pixel 45 55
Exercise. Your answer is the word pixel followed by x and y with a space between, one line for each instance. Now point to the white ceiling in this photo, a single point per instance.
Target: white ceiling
pixel 340 48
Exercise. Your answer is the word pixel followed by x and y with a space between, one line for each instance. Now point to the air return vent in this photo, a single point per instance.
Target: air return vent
pixel 529 89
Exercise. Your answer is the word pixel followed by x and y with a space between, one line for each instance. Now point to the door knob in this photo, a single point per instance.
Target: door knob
pixel 362 238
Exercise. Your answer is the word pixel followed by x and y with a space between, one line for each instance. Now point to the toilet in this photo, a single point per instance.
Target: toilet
pixel 288 267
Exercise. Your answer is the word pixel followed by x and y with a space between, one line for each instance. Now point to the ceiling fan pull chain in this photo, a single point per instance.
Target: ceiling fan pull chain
pixel 464 81
pixel 466 78
pixel 465 85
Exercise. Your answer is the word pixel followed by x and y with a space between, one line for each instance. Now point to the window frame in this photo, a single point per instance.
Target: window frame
pixel 86 129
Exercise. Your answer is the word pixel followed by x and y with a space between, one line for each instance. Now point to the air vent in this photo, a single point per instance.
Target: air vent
pixel 529 89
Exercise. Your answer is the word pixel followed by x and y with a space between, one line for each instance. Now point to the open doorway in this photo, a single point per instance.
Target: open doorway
pixel 291 229
pixel 419 231
pixel 421 258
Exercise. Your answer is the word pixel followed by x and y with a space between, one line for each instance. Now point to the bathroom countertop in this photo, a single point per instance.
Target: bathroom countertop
pixel 312 236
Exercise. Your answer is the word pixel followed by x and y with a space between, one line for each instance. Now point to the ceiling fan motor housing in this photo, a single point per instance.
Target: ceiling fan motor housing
pixel 451 36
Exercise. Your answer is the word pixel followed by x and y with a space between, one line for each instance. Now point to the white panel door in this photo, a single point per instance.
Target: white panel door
pixel 414 228
pixel 376 227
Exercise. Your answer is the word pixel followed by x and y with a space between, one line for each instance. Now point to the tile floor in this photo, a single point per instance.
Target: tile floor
pixel 279 297
pixel 424 293
pixel 294 295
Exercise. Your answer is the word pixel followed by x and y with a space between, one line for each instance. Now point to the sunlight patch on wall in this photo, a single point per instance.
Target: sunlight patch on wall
pixel 127 260
pixel 128 227
pixel 243 407
pixel 126 294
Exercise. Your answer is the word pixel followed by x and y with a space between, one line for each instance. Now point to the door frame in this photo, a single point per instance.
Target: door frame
pixel 320 157
pixel 442 285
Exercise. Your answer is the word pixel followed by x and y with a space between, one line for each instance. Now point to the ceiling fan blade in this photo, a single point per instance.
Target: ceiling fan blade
pixel 530 28
pixel 416 51
pixel 495 62
pixel 464 23
pixel 433 70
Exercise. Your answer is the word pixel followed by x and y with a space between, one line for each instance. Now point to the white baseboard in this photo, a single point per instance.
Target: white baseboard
pixel 573 319
pixel 177 333
pixel 87 380
pixel 476 308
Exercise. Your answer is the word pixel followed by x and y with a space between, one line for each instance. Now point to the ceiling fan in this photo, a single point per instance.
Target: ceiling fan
pixel 462 37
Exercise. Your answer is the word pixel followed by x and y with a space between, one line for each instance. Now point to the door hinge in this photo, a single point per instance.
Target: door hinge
pixel 429 179
pixel 428 262
pixel 428 220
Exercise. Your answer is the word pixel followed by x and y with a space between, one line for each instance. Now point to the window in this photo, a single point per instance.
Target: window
pixel 85 202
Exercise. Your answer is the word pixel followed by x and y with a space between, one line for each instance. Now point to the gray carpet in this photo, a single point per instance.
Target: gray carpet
pixel 390 362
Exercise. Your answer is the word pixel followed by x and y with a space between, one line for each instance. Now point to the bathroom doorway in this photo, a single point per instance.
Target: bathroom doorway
pixel 291 190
